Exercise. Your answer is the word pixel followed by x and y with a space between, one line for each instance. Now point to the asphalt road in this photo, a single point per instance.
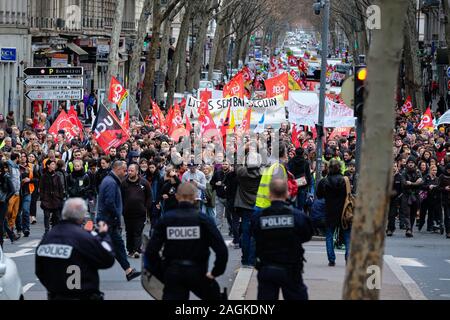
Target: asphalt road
pixel 112 281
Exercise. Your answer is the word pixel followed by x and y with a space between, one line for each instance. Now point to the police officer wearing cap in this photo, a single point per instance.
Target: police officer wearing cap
pixel 279 232
pixel 69 257
pixel 186 236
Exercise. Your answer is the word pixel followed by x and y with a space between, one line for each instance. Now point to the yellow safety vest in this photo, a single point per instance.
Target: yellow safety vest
pixel 262 197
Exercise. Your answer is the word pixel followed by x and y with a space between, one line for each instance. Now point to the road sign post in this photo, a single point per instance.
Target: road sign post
pixel 54 94
pixel 54 82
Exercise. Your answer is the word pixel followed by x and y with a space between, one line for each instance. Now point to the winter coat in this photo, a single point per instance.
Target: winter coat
pixel 248 183
pixel 78 184
pixel 300 167
pixel 170 189
pixel 136 197
pixel 51 191
pixel 333 189
pixel 444 181
pixel 110 206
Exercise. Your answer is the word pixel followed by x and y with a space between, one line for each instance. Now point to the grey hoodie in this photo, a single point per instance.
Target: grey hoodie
pixel 15 175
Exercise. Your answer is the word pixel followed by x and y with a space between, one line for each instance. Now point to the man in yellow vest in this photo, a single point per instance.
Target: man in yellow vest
pixel 277 170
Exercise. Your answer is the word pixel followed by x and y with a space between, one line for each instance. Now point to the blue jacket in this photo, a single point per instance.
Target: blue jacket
pixel 110 200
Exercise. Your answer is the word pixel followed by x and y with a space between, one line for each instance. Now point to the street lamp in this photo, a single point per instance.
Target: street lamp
pixel 317 7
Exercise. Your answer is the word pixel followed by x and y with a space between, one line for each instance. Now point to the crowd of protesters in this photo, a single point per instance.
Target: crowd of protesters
pixel 38 168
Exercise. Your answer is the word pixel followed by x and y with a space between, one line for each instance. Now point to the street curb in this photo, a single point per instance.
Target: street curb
pixel 240 285
pixel 407 282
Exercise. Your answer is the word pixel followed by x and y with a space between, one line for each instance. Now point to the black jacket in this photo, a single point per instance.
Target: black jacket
pixel 279 232
pixel 219 176
pixel 170 189
pixel 185 234
pixel 51 191
pixel 411 176
pixel 67 244
pixel 300 167
pixel 78 184
pixel 136 198
pixel 333 189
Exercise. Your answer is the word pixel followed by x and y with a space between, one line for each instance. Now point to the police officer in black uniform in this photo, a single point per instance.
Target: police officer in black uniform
pixel 69 257
pixel 279 232
pixel 186 235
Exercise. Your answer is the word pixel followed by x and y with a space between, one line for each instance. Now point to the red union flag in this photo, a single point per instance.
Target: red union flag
pixel 297 79
pixel 108 132
pixel 247 74
pixel 73 117
pixel 427 121
pixel 302 65
pixel 407 107
pixel 206 120
pixel 176 127
pixel 235 87
pixel 117 93
pixel 245 125
pixel 278 85
pixel 157 117
pixel 292 61
pixel 273 65
pixel 63 123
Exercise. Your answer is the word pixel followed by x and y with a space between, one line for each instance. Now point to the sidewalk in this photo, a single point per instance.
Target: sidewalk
pixel 324 282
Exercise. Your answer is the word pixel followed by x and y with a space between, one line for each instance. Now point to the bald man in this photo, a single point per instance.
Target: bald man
pixel 279 232
pixel 186 236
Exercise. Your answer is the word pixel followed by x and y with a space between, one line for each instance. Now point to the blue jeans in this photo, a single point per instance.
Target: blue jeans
pixel 115 233
pixel 301 199
pixel 329 232
pixel 247 241
pixel 25 221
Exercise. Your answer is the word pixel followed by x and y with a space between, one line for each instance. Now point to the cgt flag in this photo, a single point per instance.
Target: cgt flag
pixel 108 132
pixel 63 122
pixel 117 93
pixel 235 87
pixel 278 85
pixel 73 117
pixel 407 107
pixel 427 121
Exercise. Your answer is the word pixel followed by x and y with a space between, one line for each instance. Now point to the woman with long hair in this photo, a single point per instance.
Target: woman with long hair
pixel 6 191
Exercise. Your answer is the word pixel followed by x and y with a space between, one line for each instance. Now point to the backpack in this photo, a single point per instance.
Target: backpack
pixel 349 206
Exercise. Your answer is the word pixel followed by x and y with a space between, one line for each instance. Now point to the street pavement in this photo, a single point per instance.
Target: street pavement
pixel 414 268
pixel 112 281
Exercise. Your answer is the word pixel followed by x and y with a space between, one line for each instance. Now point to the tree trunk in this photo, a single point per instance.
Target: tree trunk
pixel 369 222
pixel 236 52
pixel 137 50
pixel 413 48
pixel 222 54
pixel 149 78
pixel 445 7
pixel 244 48
pixel 182 70
pixel 217 41
pixel 198 51
pixel 179 49
pixel 408 75
pixel 263 41
pixel 113 58
pixel 163 59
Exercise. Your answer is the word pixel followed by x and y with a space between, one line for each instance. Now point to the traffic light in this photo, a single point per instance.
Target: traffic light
pixel 360 82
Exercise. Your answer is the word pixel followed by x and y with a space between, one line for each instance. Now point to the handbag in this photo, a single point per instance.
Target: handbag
pixel 349 206
pixel 301 182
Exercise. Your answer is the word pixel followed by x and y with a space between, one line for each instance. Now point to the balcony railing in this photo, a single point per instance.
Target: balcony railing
pixel 13 18
pixel 86 24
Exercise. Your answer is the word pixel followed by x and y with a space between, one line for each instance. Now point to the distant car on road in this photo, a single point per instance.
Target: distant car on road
pixel 10 283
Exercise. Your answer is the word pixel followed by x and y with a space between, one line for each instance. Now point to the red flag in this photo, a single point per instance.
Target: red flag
pixel 117 93
pixel 176 127
pixel 427 121
pixel 225 126
pixel 126 121
pixel 294 137
pixel 302 65
pixel 292 61
pixel 63 123
pixel 73 117
pixel 278 85
pixel 407 107
pixel 245 125
pixel 273 65
pixel 169 118
pixel 108 131
pixel 235 87
pixel 158 117
pixel 340 132
pixel 188 125
pixel 205 119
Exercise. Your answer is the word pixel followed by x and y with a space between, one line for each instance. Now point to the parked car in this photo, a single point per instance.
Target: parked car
pixel 10 283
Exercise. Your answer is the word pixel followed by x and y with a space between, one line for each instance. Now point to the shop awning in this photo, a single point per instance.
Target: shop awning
pixel 72 46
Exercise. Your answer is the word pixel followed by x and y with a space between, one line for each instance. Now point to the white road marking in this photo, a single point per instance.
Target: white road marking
pixel 408 283
pixel 409 262
pixel 444 279
pixel 20 253
pixel 240 284
pixel 28 286
pixel 30 244
pixel 228 242
pixel 448 261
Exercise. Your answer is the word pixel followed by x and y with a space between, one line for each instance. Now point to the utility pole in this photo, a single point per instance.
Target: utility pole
pixel 325 4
